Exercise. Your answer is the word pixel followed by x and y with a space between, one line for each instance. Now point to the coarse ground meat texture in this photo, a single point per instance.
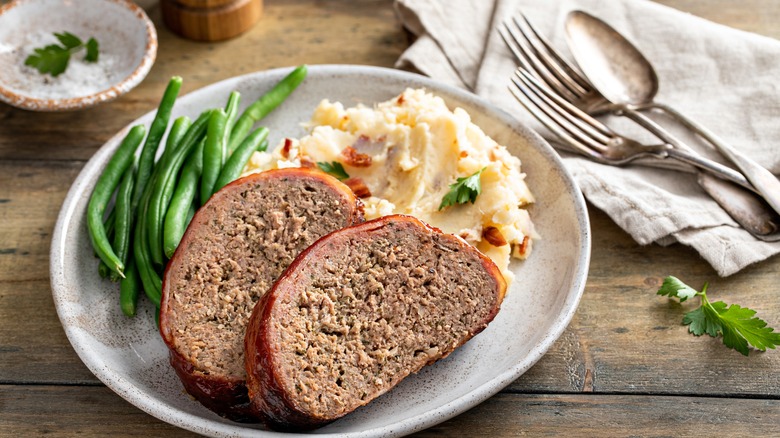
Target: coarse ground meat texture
pixel 359 311
pixel 236 246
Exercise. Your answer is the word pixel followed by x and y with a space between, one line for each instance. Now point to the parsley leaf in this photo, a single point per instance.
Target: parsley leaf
pixel 738 325
pixel 333 168
pixel 464 190
pixel 92 50
pixel 68 40
pixel 54 59
pixel 51 59
pixel 673 287
pixel 698 324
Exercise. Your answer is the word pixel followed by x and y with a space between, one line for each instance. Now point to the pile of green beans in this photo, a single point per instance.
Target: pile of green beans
pixel 154 201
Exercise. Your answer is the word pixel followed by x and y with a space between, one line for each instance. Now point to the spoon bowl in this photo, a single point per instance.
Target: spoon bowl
pixel 619 71
pixel 613 65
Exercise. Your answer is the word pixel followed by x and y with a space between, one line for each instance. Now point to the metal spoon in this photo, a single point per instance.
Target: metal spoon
pixel 627 79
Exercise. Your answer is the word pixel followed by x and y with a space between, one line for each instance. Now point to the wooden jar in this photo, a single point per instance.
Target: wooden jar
pixel 210 20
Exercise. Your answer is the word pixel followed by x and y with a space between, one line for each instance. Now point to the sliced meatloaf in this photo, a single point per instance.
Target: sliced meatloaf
pixel 360 310
pixel 236 246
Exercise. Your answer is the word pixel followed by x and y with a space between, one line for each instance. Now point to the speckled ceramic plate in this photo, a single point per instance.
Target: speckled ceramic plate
pixel 130 358
pixel 126 37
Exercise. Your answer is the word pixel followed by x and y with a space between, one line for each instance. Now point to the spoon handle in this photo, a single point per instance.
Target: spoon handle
pixel 680 150
pixel 745 207
pixel 762 179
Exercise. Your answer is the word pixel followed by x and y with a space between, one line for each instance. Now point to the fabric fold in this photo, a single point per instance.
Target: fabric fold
pixel 722 77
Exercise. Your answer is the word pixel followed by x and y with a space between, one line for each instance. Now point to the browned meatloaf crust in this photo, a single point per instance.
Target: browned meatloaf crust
pixel 360 310
pixel 236 246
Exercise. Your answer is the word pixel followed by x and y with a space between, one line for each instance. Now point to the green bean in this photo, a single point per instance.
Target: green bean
pixel 104 188
pixel 128 289
pixel 213 154
pixel 190 215
pixel 103 270
pixel 123 221
pixel 156 132
pixel 165 183
pixel 235 164
pixel 108 222
pixel 186 190
pixel 179 129
pixel 231 109
pixel 149 277
pixel 264 105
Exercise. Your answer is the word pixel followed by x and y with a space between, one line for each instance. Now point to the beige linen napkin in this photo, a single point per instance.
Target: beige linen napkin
pixel 724 78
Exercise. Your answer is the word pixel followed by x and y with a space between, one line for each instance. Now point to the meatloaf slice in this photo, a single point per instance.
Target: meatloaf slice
pixel 236 246
pixel 360 310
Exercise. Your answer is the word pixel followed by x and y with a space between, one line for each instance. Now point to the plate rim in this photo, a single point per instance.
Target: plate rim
pixel 473 397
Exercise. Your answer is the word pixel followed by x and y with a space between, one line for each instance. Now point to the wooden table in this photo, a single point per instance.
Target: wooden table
pixel 625 366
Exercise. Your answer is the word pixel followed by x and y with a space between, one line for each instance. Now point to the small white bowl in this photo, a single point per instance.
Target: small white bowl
pixel 128 48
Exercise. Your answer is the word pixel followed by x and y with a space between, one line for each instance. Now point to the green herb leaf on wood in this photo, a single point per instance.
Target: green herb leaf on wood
pixel 738 325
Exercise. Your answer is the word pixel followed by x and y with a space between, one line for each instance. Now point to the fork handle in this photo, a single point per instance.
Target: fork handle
pixel 678 150
pixel 762 179
pixel 713 167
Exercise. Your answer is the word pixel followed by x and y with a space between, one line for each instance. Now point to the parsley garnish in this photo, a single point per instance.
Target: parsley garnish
pixel 463 190
pixel 737 324
pixel 333 168
pixel 53 59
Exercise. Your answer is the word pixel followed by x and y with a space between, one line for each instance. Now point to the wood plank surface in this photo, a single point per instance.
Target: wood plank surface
pixel 63 411
pixel 625 366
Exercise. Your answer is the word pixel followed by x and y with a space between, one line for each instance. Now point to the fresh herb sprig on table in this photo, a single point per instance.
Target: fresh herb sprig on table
pixel 54 59
pixel 738 325
pixel 464 190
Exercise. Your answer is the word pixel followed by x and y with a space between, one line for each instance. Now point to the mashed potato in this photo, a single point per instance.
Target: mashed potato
pixel 407 152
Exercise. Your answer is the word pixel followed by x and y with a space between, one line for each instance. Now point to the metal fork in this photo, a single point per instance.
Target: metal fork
pixel 537 56
pixel 598 142
pixel 592 138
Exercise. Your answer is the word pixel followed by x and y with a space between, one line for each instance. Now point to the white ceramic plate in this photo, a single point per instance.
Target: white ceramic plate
pixel 128 47
pixel 130 358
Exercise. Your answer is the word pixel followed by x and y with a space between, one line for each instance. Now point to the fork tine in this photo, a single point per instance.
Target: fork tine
pixel 531 61
pixel 514 47
pixel 562 68
pixel 525 100
pixel 571 112
pixel 544 61
pixel 562 113
pixel 532 103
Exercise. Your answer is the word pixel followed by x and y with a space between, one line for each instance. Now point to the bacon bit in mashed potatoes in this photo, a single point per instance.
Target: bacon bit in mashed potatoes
pixel 406 152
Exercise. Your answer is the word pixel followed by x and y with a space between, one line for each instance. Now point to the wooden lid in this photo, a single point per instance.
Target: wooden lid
pixel 210 20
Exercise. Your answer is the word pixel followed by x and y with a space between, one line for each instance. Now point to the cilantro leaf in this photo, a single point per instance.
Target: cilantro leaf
pixel 673 287
pixel 68 40
pixel 54 59
pixel 738 325
pixel 333 168
pixel 51 59
pixel 92 50
pixel 464 190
